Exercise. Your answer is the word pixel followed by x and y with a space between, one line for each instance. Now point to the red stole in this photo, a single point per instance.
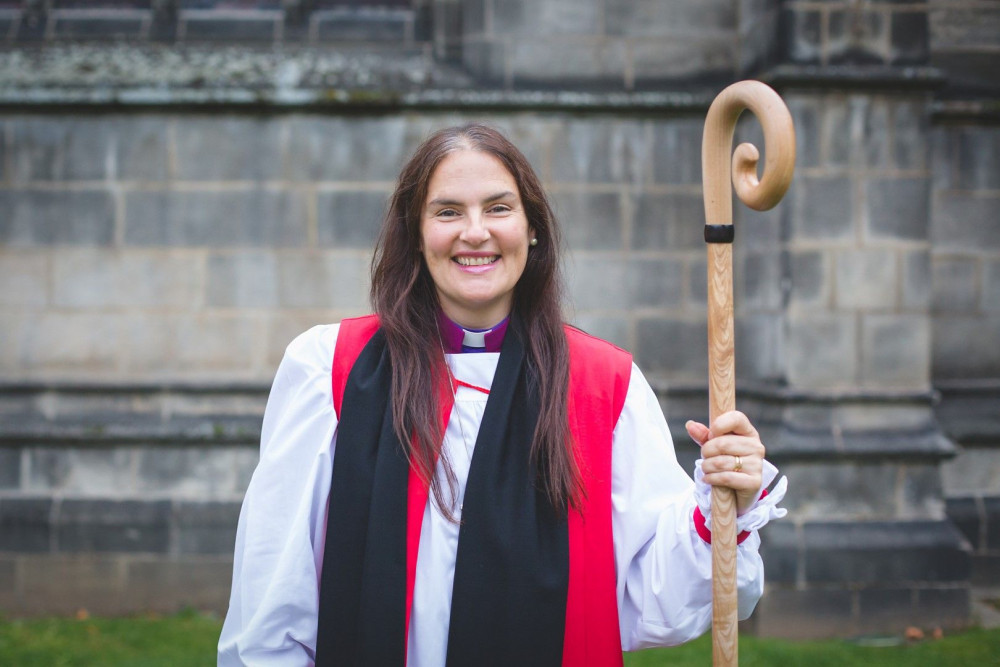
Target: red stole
pixel 599 378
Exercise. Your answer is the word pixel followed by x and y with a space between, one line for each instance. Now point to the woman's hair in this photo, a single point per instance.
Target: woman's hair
pixel 404 297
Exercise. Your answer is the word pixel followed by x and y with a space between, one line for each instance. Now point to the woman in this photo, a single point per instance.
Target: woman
pixel 370 534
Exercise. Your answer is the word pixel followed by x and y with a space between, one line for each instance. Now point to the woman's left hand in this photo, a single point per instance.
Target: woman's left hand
pixel 732 455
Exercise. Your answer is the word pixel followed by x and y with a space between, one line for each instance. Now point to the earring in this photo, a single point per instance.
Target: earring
pixel 533 242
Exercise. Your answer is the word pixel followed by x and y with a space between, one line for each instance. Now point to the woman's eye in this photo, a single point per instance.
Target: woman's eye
pixel 447 213
pixel 499 208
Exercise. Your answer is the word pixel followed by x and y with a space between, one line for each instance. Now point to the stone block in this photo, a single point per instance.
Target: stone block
pixel 600 151
pixel 911 134
pixel 909 38
pixel 228 148
pixel 168 585
pixel 125 526
pixel 243 279
pixel 64 343
pixel 991 286
pixel 589 221
pixel 917 282
pixel 350 219
pixel 198 472
pixel 975 471
pixel 116 25
pixel 978 162
pixel 762 229
pixel 882 609
pixel 866 278
pixel 8 583
pixel 707 56
pixel 140 143
pixel 209 343
pixel 674 347
pixel 10 468
pixel 328 280
pixel 697 296
pixel 246 459
pixel 964 347
pixel 99 278
pixel 621 284
pixel 985 571
pixel 757 280
pixel 810 285
pixel 284 325
pixel 955 284
pixel 857 37
pixel 897 209
pixel 807 114
pixel 206 527
pixel 991 510
pixel 895 351
pixel 779 551
pixel 965 513
pixel 486 59
pixel 25 277
pixel 64 584
pixel 843 491
pixel 612 329
pixel 223 26
pixel 673 221
pixel 57 148
pixel 26 525
pixel 868 553
pixel 650 18
pixel 760 345
pixel 677 151
pixel 964 221
pixel 822 208
pixel 821 351
pixel 943 607
pixel 360 25
pixel 54 217
pixel 87 472
pixel 568 61
pixel 801 35
pixel 346 149
pixel 964 27
pixel 810 613
pixel 523 18
pixel 253 217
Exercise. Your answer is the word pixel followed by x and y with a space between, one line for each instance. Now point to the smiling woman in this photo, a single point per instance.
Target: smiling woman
pixel 461 478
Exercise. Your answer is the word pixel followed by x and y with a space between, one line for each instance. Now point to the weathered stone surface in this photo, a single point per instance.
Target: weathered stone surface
pixel 597 150
pixel 350 219
pixel 978 160
pixel 964 222
pixel 612 329
pixel 672 221
pixel 672 346
pixel 40 217
pixel 822 208
pixel 589 221
pixel 966 514
pixel 760 347
pixel 206 527
pixel 346 149
pixel 895 351
pixel 101 278
pixel 26 524
pixel 356 24
pixel 866 278
pixel 991 286
pixel 24 275
pixel 812 613
pixel 810 284
pixel 329 280
pixel 975 471
pixel 246 279
pixel 66 583
pixel 188 472
pixel 857 36
pixel 568 60
pixel 80 472
pixel 917 280
pixel 60 149
pixel 955 284
pixel 897 209
pixel 10 468
pixel 882 606
pixel 708 56
pixel 677 151
pixel 113 526
pixel 821 351
pixel 910 38
pixel 962 347
pixel 241 217
pixel 649 18
pixel 62 342
pixel 647 283
pixel 523 18
pixel 229 149
pixel 171 584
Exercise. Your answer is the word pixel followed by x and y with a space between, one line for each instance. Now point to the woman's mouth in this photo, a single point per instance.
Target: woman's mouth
pixel 476 261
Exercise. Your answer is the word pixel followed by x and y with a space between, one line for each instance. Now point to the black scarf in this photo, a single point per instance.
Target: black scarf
pixel 508 604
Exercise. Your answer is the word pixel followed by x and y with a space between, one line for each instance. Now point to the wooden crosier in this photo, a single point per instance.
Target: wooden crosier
pixel 779 162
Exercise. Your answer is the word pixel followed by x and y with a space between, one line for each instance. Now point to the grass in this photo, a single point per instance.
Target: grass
pixel 188 639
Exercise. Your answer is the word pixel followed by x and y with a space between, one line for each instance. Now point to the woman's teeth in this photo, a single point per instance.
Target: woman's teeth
pixel 476 261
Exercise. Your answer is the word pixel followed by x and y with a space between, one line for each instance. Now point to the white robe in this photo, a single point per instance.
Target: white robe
pixel 663 568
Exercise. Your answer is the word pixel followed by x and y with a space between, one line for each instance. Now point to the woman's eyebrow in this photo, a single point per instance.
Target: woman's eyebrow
pixel 443 201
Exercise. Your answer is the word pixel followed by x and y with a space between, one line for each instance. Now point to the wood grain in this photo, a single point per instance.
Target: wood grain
pixel 760 194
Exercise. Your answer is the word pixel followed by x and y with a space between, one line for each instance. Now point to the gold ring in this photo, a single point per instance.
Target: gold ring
pixel 739 465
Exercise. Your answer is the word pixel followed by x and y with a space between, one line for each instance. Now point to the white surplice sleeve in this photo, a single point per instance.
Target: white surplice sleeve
pixel 279 541
pixel 664 568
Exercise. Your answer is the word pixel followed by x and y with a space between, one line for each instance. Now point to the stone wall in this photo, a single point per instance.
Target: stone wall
pixel 176 207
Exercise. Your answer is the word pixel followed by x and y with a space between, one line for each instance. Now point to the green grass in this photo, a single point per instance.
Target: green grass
pixel 188 639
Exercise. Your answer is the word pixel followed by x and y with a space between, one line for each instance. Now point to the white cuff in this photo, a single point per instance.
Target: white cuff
pixel 760 513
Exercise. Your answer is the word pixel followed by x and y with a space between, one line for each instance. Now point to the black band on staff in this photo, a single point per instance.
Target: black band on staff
pixel 719 233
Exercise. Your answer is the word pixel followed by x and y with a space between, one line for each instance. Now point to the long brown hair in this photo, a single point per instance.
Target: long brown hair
pixel 404 297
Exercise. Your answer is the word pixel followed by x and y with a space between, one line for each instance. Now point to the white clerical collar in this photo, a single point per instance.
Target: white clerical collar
pixel 475 338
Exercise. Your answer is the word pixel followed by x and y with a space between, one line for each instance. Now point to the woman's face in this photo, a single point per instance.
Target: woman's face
pixel 474 237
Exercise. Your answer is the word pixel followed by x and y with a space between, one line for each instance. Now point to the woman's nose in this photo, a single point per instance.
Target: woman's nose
pixel 475 230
